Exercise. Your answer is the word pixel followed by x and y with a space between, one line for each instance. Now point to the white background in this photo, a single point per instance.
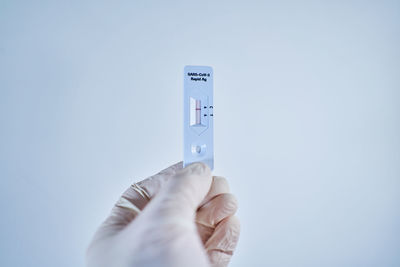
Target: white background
pixel 307 121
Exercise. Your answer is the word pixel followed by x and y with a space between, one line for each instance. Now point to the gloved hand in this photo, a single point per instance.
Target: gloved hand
pixel 178 217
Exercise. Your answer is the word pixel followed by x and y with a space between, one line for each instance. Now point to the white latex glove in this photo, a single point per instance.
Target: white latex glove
pixel 178 217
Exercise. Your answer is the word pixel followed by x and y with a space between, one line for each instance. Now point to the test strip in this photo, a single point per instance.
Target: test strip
pixel 198 116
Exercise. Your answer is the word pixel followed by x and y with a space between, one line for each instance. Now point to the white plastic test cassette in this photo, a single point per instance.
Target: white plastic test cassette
pixel 198 129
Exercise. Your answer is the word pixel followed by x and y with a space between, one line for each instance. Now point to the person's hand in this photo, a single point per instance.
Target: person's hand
pixel 178 217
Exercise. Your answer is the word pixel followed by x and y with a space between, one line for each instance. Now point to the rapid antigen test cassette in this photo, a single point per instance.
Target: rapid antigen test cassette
pixel 198 114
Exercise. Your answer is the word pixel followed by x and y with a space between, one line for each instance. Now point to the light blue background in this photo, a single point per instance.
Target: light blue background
pixel 307 121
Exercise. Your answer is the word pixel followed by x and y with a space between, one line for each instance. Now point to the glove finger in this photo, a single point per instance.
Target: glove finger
pixel 217 209
pixel 214 211
pixel 219 186
pixel 154 183
pixel 222 243
pixel 182 194
pixel 133 200
pixel 142 192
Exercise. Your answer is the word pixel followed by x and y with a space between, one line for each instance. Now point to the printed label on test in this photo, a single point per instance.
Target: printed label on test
pixel 198 136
